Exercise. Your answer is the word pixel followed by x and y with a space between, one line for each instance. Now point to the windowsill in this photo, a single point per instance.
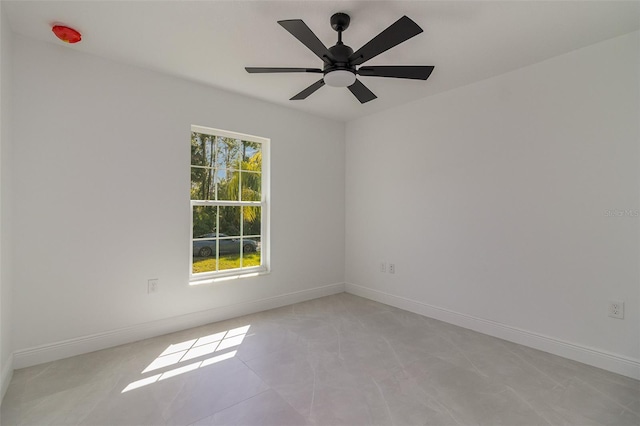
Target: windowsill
pixel 195 281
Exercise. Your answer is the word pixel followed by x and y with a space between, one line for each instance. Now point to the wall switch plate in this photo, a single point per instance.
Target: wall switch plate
pixel 392 268
pixel 383 267
pixel 616 309
pixel 152 285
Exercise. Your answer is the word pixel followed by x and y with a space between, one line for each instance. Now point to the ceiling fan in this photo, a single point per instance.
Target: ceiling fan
pixel 341 63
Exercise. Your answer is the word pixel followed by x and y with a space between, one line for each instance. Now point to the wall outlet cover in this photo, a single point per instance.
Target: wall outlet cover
pixel 152 285
pixel 616 309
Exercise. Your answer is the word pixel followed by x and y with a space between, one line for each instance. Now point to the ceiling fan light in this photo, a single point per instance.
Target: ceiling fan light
pixel 339 78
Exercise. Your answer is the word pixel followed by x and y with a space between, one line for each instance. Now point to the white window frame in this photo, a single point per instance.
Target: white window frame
pixel 242 272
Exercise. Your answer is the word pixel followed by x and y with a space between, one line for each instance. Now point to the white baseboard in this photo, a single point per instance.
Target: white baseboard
pixel 81 345
pixel 5 376
pixel 595 357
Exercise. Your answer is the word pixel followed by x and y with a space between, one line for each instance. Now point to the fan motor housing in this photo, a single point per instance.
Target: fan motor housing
pixel 341 53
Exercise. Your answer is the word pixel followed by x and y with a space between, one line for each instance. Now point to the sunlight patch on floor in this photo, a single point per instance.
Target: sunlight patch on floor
pixel 191 349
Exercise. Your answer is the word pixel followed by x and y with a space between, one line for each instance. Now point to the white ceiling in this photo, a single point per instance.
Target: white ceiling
pixel 212 41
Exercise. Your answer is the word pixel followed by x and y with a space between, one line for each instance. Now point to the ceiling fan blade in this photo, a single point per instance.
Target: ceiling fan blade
pixel 399 71
pixel 253 70
pixel 302 32
pixel 309 90
pixel 361 92
pixel 401 30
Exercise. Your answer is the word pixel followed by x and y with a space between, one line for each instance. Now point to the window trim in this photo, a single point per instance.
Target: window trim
pixel 264 203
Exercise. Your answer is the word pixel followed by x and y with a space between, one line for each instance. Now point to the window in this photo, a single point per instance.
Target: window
pixel 229 211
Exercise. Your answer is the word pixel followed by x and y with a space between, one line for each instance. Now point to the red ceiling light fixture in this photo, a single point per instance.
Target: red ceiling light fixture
pixel 66 34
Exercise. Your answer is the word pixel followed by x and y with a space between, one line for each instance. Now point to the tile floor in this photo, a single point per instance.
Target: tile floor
pixel 338 360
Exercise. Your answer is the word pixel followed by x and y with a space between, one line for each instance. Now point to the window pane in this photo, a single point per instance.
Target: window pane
pixel 251 156
pixel 204 221
pixel 228 184
pixel 251 186
pixel 205 247
pixel 204 256
pixel 229 221
pixel 251 220
pixel 227 152
pixel 204 239
pixel 251 253
pixel 202 183
pixel 229 252
pixel 202 149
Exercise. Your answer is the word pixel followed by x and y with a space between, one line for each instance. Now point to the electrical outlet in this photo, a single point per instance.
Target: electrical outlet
pixel 392 268
pixel 383 267
pixel 616 309
pixel 152 285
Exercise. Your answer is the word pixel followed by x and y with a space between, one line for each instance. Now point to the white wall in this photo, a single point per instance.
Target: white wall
pixel 491 199
pixel 6 348
pixel 101 186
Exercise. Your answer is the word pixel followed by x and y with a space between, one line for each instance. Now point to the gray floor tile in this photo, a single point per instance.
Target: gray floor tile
pixel 337 360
